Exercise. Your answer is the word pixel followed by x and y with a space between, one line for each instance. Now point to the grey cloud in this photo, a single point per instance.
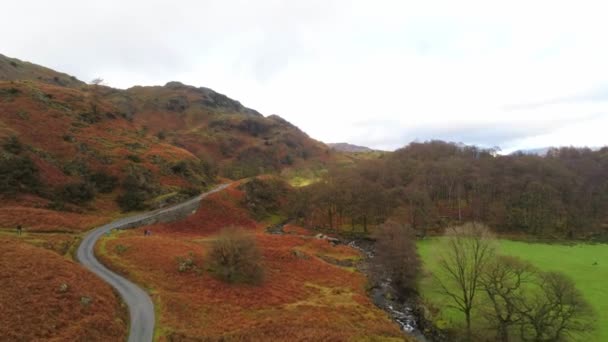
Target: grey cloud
pixel 389 134
pixel 598 94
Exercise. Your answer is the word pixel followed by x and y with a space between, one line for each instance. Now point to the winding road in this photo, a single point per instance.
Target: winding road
pixel 141 308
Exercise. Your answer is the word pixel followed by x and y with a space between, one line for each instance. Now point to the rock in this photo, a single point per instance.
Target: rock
pixel 330 239
pixel 333 241
pixel 337 262
pixel 85 301
pixel 300 255
pixel 63 288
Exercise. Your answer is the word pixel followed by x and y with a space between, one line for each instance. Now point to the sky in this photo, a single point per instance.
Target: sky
pixel 513 74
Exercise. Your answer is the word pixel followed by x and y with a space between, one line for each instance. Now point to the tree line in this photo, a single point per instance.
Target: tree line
pixel 433 185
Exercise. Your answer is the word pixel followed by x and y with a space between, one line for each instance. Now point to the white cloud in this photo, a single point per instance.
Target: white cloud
pixel 484 72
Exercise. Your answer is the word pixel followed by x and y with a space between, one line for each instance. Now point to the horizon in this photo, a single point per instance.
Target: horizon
pixel 377 76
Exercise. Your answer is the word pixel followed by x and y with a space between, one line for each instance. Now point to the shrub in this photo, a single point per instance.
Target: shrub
pixel 18 174
pixel 120 249
pixel 132 200
pixel 186 264
pixel 262 197
pixel 77 193
pixel 134 158
pixel 254 127
pixel 90 117
pixel 189 192
pixel 235 257
pixel 13 145
pixel 103 182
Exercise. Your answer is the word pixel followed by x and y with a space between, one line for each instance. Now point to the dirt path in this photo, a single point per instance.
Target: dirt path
pixel 141 308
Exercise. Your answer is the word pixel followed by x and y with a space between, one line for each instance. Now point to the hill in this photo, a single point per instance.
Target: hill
pixel 211 125
pixel 350 148
pixel 14 69
pixel 66 144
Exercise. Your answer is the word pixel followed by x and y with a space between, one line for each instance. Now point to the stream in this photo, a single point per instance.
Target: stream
pixel 383 296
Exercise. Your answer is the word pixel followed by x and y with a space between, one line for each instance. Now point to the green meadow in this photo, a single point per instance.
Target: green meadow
pixel 576 261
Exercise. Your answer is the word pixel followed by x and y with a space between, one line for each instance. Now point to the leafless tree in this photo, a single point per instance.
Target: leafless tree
pixel 505 280
pixel 97 81
pixel 396 255
pixel 468 250
pixel 554 310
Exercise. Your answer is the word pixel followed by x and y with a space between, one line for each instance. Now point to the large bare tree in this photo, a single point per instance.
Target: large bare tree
pixel 468 248
pixel 505 280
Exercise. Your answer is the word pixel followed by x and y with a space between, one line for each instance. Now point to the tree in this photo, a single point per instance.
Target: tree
pixel 263 196
pixel 468 249
pixel 555 309
pixel 235 257
pixel 96 82
pixel 396 256
pixel 505 280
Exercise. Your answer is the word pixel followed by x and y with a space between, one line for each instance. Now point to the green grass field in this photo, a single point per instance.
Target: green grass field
pixel 575 261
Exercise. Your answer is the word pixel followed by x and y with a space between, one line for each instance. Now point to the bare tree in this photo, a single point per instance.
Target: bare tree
pixel 396 256
pixel 555 309
pixel 97 81
pixel 505 280
pixel 468 249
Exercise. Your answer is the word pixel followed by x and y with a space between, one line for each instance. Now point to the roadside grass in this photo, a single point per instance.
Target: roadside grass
pixel 574 260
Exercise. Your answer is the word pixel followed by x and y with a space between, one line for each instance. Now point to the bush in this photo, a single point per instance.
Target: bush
pixel 262 197
pixel 132 200
pixel 189 192
pixel 134 158
pixel 18 174
pixel 103 182
pixel 139 186
pixel 13 145
pixel 186 264
pixel 77 193
pixel 235 257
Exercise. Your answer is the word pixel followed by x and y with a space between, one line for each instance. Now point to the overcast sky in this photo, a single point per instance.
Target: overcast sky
pixel 514 74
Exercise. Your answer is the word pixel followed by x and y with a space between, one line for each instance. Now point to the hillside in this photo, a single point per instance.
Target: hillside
pixel 143 147
pixel 350 148
pixel 240 140
pixel 45 297
pixel 14 69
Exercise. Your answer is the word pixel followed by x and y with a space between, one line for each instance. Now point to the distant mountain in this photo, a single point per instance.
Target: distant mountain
pixel 350 148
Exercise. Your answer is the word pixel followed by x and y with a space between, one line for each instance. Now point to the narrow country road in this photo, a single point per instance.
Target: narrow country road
pixel 141 308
